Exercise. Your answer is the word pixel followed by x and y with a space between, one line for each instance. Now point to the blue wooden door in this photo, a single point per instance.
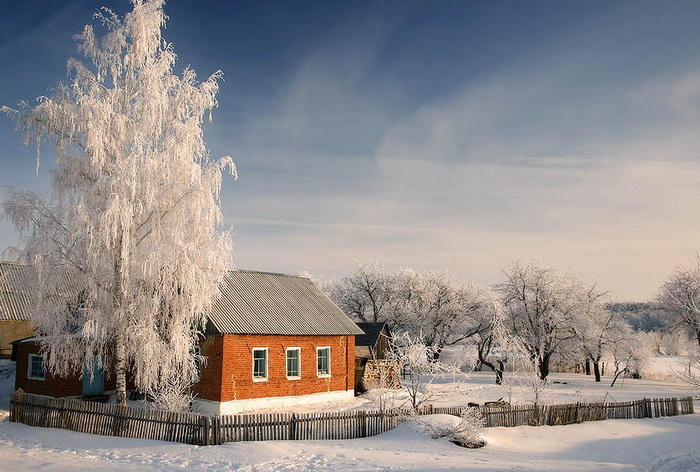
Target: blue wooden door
pixel 94 385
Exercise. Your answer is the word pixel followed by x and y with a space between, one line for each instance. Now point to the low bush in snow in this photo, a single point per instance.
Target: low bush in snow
pixel 465 431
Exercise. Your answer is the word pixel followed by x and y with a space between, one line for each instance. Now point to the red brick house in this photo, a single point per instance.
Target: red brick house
pixel 271 340
pixel 275 340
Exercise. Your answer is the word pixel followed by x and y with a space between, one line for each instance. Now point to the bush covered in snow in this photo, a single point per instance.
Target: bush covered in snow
pixel 465 431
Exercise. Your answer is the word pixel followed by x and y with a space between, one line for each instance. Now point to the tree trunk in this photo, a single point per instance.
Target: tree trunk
pixel 120 368
pixel 543 367
pixel 616 376
pixel 499 372
pixel 588 367
pixel 596 370
pixel 120 338
pixel 697 335
pixel 482 358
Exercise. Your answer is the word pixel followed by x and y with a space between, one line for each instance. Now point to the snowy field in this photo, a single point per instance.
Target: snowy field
pixel 668 444
pixel 480 387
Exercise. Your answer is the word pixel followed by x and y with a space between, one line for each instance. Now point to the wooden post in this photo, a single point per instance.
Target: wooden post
pixel 363 424
pixel 16 400
pixel 293 427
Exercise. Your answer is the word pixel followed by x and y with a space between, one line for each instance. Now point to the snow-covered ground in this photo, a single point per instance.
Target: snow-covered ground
pixel 667 367
pixel 668 444
pixel 480 387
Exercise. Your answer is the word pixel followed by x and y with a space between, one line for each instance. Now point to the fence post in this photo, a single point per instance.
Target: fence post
pixel 204 428
pixel 363 424
pixel 16 405
pixel 578 418
pixel 116 422
pixel 293 427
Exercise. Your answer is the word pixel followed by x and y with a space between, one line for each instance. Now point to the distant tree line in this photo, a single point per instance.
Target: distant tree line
pixel 551 314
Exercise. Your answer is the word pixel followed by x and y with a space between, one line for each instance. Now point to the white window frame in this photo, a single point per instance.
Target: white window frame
pixel 29 367
pixel 318 374
pixel 267 364
pixel 286 359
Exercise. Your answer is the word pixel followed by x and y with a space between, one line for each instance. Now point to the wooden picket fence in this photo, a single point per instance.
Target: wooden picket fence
pixel 572 413
pixel 191 428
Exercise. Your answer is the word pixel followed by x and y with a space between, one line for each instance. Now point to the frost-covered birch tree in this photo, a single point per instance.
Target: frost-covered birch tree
pixel 128 252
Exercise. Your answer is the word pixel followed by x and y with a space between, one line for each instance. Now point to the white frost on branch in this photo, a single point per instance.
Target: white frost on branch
pixel 130 249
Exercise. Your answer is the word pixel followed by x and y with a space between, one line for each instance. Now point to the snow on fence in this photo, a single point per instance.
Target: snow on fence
pixel 191 428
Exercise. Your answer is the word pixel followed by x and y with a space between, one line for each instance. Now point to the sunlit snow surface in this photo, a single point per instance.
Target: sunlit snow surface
pixel 669 444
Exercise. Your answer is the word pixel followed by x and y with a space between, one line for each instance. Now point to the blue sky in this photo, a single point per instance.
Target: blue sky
pixel 455 135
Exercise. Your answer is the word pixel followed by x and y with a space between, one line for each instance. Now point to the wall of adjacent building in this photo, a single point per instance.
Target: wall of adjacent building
pixel 12 330
pixel 52 386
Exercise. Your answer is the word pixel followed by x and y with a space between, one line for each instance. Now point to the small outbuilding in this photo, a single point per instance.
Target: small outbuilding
pixel 373 345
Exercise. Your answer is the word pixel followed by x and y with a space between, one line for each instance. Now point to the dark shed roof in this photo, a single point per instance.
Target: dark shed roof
pixel 372 333
pixel 268 303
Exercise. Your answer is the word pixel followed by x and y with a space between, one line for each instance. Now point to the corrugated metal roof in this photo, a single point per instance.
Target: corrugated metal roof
pixel 268 303
pixel 14 299
pixel 251 303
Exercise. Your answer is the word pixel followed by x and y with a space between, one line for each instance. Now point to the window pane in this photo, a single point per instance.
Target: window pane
pixel 260 364
pixel 323 361
pixel 293 363
pixel 37 367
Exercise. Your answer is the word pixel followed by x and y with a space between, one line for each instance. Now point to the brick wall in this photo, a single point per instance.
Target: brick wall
pixel 228 373
pixel 51 385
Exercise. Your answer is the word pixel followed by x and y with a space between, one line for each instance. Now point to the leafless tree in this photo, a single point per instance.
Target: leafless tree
pixel 680 297
pixel 540 307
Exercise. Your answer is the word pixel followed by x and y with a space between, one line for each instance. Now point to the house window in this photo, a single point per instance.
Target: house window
pixel 323 361
pixel 294 363
pixel 259 364
pixel 36 367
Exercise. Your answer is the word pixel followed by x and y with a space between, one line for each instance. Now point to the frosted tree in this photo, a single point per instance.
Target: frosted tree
pixel 446 310
pixel 524 368
pixel 129 251
pixel 680 297
pixel 630 354
pixel 540 307
pixel 365 294
pixel 596 330
pixel 419 369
